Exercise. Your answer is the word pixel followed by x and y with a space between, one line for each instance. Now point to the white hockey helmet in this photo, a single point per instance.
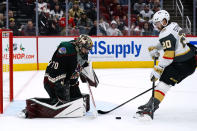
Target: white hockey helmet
pixel 160 15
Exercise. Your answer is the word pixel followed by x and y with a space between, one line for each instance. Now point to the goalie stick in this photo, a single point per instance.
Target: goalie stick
pixel 105 112
pixel 95 113
pixel 89 77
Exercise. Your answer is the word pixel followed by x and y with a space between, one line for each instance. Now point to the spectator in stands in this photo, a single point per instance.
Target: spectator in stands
pixel 92 13
pixel 42 6
pixel 155 31
pixel 72 30
pixel 146 14
pixel 150 3
pixel 12 15
pixel 84 24
pixel 135 29
pixel 27 7
pixel 118 11
pixel 138 6
pixel 29 29
pixel 62 21
pixel 103 26
pixel 43 22
pixel 70 4
pixel 113 30
pixel 52 4
pixel 120 24
pixel 54 28
pixel 123 2
pixel 146 30
pixel 57 12
pixel 125 20
pixel 86 5
pixel 75 12
pixel 112 6
pixel 13 27
pixel 156 8
pixel 2 6
pixel 2 25
pixel 156 3
pixel 93 30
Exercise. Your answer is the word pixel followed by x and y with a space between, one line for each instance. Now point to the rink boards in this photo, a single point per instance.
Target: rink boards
pixel 32 53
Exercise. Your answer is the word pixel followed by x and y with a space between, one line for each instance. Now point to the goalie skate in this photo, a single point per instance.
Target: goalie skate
pixel 22 114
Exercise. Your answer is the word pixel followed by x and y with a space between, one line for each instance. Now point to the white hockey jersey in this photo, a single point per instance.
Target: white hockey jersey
pixel 174 44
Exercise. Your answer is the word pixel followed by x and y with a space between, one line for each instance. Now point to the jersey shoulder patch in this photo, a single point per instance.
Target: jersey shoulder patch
pixel 62 50
pixel 66 48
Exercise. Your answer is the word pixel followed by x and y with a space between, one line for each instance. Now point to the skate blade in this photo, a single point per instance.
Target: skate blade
pixel 142 117
pixel 22 114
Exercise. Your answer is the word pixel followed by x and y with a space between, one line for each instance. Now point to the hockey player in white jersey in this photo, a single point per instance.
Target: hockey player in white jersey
pixel 177 62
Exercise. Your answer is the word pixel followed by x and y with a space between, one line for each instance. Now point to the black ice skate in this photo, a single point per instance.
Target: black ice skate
pixel 147 110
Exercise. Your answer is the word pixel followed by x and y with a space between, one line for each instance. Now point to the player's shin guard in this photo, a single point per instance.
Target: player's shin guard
pixel 160 91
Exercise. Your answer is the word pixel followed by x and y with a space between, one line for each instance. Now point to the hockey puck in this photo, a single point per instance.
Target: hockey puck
pixel 118 117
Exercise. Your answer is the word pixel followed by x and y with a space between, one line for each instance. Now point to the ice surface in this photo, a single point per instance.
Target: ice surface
pixel 177 112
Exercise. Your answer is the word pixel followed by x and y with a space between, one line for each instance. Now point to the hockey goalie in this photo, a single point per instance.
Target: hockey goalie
pixel 69 62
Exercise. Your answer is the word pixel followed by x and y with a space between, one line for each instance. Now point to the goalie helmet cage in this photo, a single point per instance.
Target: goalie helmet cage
pixel 6 65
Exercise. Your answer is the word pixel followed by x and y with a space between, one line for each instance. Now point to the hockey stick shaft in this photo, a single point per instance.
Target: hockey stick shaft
pixel 153 91
pixel 105 112
pixel 90 91
pixel 95 113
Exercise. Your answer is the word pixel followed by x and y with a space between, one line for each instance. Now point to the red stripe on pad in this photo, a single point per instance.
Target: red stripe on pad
pixel 168 58
pixel 160 92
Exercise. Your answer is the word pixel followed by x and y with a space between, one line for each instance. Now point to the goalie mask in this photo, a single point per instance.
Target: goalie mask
pixel 84 44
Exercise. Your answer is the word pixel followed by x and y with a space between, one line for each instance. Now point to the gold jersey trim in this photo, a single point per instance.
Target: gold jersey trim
pixel 183 53
pixel 169 54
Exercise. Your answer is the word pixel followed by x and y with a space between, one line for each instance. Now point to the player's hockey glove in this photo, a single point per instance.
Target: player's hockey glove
pixel 78 70
pixel 153 51
pixel 156 73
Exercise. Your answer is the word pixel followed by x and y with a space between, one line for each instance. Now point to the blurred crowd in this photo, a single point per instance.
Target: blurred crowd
pixel 82 17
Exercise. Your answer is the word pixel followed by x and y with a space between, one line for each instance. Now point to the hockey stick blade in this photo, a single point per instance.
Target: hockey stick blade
pixel 105 112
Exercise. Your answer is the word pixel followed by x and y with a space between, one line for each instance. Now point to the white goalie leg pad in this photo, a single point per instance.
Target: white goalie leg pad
pixel 75 108
pixel 163 87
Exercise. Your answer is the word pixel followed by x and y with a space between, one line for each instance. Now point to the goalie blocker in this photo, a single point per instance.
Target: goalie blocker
pixel 88 75
pixel 41 108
